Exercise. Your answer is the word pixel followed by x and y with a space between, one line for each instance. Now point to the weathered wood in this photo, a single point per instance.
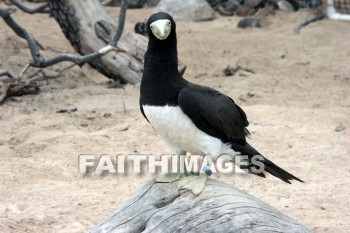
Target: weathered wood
pixel 88 27
pixel 156 207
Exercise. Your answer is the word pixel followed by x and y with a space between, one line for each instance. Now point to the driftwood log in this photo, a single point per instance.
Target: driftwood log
pixel 157 207
pixel 88 27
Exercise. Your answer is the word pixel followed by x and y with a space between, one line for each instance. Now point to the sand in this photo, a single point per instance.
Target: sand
pixel 295 97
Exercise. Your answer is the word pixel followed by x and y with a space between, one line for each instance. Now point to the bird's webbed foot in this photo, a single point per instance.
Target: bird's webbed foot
pixel 193 183
pixel 169 177
pixel 188 181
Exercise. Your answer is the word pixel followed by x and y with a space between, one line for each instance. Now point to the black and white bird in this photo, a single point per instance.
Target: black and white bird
pixel 192 118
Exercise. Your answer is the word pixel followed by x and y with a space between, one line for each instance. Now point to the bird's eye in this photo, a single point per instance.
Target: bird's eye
pixel 151 27
pixel 169 24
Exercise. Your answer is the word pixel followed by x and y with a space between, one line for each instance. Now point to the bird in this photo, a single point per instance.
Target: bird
pixel 190 117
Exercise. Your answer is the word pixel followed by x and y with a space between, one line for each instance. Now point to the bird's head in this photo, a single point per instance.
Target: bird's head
pixel 161 26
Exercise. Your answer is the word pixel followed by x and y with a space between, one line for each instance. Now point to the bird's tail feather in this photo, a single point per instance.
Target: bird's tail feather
pixel 278 172
pixel 268 165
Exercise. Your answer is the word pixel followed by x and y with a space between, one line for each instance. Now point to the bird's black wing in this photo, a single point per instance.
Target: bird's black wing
pixel 214 113
pixel 217 115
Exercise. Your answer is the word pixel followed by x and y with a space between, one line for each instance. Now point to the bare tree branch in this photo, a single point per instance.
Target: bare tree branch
pixel 45 76
pixel 21 32
pixel 41 9
pixel 121 23
pixel 6 73
pixel 307 22
pixel 40 62
pixel 15 86
pixel 106 3
pixel 4 89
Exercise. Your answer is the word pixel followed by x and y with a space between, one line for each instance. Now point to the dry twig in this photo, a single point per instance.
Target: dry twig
pixel 18 86
pixel 307 22
pixel 6 73
pixel 38 59
pixel 41 9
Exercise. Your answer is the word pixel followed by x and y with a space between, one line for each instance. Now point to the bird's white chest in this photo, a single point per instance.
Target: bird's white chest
pixel 179 130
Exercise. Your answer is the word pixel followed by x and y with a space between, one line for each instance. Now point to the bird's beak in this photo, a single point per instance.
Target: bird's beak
pixel 161 28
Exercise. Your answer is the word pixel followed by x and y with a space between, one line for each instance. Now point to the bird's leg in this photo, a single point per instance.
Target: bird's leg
pixel 182 165
pixel 207 169
pixel 196 182
pixel 171 177
pixel 193 182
